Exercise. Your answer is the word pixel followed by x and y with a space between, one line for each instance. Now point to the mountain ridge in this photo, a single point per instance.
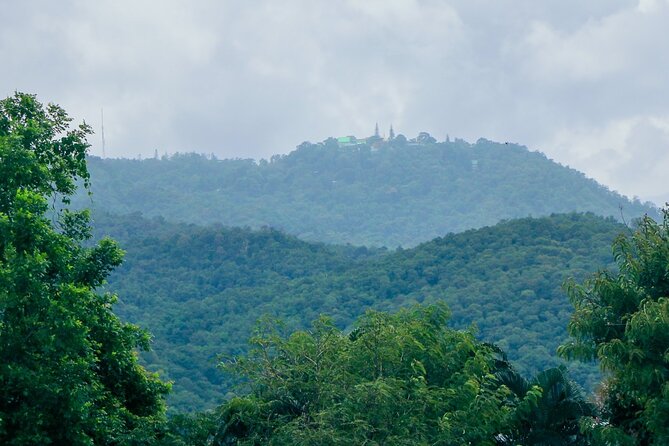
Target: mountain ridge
pixel 396 194
pixel 200 290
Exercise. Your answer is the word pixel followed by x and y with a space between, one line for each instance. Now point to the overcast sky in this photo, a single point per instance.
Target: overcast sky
pixel 586 82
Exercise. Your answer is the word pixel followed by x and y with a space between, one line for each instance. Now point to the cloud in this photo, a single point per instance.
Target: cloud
pixel 624 43
pixel 603 82
pixel 632 154
pixel 583 81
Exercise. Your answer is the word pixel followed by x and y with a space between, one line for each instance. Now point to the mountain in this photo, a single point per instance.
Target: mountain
pixel 200 290
pixel 393 193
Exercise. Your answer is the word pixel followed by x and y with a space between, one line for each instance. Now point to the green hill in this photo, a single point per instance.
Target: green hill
pixel 200 290
pixel 394 194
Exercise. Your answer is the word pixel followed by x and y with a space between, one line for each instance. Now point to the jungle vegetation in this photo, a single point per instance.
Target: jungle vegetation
pixel 449 342
pixel 383 194
pixel 200 290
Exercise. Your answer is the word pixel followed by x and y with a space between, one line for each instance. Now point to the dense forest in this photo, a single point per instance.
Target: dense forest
pixel 200 290
pixel 389 194
pixel 450 342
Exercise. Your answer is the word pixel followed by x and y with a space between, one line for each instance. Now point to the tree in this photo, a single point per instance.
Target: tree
pixel 399 378
pixel 622 320
pixel 425 138
pixel 549 408
pixel 68 367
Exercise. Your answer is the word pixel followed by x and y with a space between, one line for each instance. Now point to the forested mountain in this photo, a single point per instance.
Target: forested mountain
pixel 70 370
pixel 200 290
pixel 395 193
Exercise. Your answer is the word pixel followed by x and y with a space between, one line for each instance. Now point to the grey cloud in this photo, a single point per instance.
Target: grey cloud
pixel 250 79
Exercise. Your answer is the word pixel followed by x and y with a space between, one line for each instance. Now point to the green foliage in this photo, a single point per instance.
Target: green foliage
pixel 622 320
pixel 395 379
pixel 201 290
pixel 395 195
pixel 39 152
pixel 68 368
pixel 189 430
pixel 550 408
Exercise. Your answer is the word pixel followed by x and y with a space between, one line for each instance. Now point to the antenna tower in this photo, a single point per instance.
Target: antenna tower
pixel 102 116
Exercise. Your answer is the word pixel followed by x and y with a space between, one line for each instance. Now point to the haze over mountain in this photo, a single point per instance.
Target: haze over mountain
pixel 200 290
pixel 363 192
pixel 559 76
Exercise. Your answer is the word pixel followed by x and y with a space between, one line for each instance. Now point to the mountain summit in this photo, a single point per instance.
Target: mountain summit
pixel 359 191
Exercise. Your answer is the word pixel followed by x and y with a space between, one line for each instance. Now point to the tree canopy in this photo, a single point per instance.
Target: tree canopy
pixel 68 366
pixel 200 290
pixel 395 379
pixel 393 195
pixel 400 378
pixel 70 371
pixel 622 320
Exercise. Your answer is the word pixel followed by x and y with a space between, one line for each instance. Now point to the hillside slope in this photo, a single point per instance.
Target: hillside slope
pixel 201 290
pixel 396 194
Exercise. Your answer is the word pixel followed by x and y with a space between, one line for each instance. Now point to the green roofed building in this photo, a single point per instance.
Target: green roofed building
pixel 344 141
